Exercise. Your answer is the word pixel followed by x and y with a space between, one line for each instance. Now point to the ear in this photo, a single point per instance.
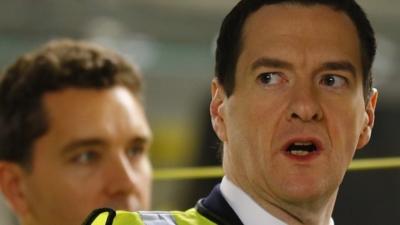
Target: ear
pixel 12 186
pixel 369 119
pixel 217 109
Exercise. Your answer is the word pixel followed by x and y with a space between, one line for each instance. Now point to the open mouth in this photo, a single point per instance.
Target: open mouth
pixel 302 148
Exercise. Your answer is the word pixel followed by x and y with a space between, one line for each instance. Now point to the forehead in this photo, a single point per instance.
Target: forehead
pixel 68 98
pixel 94 112
pixel 272 16
pixel 279 26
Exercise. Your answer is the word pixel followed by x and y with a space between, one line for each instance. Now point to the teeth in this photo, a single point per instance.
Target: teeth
pixel 303 143
pixel 301 148
pixel 299 152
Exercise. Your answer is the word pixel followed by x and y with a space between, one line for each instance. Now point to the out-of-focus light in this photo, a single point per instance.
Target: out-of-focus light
pixel 139 49
pixel 385 62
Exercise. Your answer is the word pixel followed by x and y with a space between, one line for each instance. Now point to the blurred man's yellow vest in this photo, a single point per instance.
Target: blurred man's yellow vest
pixel 111 217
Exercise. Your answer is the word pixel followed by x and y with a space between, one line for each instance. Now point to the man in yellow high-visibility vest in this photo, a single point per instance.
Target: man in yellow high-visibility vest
pixel 292 101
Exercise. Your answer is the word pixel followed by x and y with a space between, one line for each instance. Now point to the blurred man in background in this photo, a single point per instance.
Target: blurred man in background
pixel 74 135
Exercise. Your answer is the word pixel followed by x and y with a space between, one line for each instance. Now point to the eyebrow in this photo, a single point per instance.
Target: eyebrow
pixel 270 62
pixel 82 143
pixel 339 66
pixel 277 63
pixel 140 141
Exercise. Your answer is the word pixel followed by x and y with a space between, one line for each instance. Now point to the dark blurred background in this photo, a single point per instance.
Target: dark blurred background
pixel 173 42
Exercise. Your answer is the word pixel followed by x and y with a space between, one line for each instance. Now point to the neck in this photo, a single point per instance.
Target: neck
pixel 317 212
pixel 305 214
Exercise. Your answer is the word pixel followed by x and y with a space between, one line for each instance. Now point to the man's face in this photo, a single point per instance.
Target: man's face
pixel 297 113
pixel 95 154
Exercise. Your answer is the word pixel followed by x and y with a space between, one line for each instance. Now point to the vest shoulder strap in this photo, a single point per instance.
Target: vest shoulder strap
pixel 157 218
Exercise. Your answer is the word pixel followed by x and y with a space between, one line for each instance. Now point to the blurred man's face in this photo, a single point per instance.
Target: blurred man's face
pixel 95 154
pixel 297 113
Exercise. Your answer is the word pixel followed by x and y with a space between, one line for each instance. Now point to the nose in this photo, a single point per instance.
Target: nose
pixel 304 105
pixel 122 179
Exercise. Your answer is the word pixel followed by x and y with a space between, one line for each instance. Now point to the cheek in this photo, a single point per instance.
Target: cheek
pixel 57 195
pixel 53 181
pixel 250 127
pixel 79 184
pixel 345 127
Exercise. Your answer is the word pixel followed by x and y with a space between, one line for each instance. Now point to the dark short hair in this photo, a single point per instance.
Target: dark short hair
pixel 229 42
pixel 58 65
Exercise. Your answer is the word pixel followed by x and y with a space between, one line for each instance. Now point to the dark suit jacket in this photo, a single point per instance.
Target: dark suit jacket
pixel 217 209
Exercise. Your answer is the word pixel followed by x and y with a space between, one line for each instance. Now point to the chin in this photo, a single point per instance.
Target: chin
pixel 306 192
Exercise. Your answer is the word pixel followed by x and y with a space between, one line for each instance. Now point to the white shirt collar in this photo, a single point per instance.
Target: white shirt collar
pixel 246 208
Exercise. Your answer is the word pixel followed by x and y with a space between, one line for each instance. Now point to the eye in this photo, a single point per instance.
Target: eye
pixel 86 157
pixel 334 81
pixel 135 150
pixel 271 78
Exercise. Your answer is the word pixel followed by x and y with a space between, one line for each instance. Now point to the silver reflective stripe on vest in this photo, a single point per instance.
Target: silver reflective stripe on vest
pixel 157 218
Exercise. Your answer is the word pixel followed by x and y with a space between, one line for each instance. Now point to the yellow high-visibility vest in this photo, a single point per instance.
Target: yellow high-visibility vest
pixel 110 217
